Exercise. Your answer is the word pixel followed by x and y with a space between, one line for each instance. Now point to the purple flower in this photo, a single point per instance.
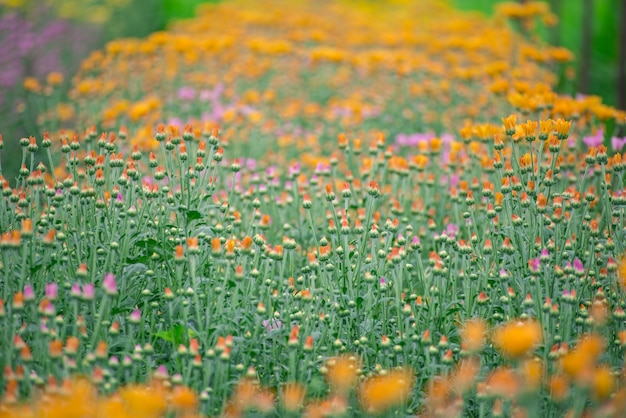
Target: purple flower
pixel 618 143
pixel 48 310
pixel 109 284
pixel 52 291
pixel 89 291
pixel 272 324
pixel 135 316
pixel 178 122
pixel 578 266
pixel 29 293
pixel 161 372
pixel 205 95
pixel 187 93
pixel 75 290
pixel 452 229
pixel 413 140
pixel 595 139
pixel 534 265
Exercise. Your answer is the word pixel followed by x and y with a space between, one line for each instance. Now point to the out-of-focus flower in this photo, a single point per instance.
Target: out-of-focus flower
pixel 379 393
pixel 515 339
pixel 473 335
pixel 342 373
pixel 618 143
pixel 595 139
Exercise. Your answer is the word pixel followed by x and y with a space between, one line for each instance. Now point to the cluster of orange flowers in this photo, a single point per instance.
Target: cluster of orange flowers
pixel 376 394
pixel 79 398
pixel 254 67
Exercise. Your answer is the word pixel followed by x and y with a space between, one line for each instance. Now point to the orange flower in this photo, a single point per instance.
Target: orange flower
pixel 509 124
pixel 143 401
pixel 559 387
pixel 292 396
pixel 379 393
pixel 504 383
pixel 532 371
pixel 603 383
pixel 184 399
pixel 516 338
pixel 55 348
pixel 473 335
pixel 464 377
pixel 342 373
pixel 580 363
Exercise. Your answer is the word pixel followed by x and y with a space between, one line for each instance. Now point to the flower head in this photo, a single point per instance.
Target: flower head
pixel 515 339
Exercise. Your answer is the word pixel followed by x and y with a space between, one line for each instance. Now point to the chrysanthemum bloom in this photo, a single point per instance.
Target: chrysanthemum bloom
pixel 380 393
pixel 144 401
pixel 292 396
pixel 184 399
pixel 516 338
pixel 580 362
pixel 473 335
pixel 464 378
pixel 342 374
pixel 603 383
pixel 503 382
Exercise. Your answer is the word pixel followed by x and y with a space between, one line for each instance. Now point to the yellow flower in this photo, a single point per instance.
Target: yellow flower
pixel 561 55
pixel 32 85
pixel 380 393
pixel 603 383
pixel 516 338
pixel 509 124
pixel 54 78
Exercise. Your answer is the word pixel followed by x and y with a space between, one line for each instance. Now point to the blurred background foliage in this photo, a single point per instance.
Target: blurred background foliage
pixel 38 37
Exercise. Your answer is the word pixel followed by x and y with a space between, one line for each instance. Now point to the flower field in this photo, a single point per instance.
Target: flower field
pixel 318 208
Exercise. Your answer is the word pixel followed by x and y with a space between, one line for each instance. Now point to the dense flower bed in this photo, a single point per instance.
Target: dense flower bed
pixel 323 208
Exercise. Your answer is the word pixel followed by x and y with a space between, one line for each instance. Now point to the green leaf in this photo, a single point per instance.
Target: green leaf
pixel 176 334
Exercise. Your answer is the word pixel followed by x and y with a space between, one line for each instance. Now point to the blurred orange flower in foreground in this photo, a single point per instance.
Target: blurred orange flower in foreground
pixel 380 393
pixel 516 338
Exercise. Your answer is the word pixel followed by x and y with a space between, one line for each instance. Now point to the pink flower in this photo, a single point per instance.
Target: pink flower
pixel 187 93
pixel 52 291
pixel 75 290
pixel 578 265
pixel 595 139
pixel 135 316
pixel 272 324
pixel 89 291
pixel 29 293
pixel 452 229
pixel 109 284
pixel 618 143
pixel 534 265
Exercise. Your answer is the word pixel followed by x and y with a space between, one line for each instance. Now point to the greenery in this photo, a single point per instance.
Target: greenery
pixel 311 208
